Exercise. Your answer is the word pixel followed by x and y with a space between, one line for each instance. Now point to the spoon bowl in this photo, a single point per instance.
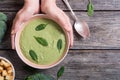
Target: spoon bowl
pixel 82 29
pixel 80 26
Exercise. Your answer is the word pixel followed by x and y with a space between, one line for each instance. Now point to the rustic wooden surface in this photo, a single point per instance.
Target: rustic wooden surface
pixel 96 58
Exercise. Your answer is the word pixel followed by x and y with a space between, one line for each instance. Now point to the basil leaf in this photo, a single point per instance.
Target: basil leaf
pixel 33 55
pixel 59 44
pixel 3 17
pixel 3 28
pixel 40 27
pixel 90 8
pixel 41 41
pixel 39 76
pixel 60 72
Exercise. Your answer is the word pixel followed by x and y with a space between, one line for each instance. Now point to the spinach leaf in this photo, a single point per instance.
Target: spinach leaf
pixel 59 44
pixel 41 41
pixel 60 72
pixel 90 8
pixel 3 17
pixel 39 76
pixel 40 27
pixel 33 55
pixel 3 28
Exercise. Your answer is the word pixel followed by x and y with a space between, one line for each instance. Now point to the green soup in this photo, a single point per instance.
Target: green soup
pixel 52 33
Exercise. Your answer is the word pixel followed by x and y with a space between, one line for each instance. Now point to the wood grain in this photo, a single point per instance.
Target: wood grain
pixel 88 64
pixel 14 5
pixel 98 4
pixel 10 5
pixel 104 27
pixel 79 65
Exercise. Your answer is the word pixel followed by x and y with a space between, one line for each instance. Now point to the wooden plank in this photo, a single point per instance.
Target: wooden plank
pixel 104 27
pixel 14 5
pixel 98 4
pixel 6 43
pixel 10 5
pixel 79 65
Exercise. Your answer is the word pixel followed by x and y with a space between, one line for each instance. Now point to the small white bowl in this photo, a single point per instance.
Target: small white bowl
pixel 2 58
pixel 24 59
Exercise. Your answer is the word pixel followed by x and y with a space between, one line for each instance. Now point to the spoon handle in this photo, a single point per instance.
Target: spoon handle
pixel 68 5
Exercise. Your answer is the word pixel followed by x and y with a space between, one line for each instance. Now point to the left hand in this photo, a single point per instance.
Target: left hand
pixel 30 8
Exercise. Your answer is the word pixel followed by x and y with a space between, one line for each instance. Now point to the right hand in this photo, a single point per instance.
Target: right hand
pixel 50 8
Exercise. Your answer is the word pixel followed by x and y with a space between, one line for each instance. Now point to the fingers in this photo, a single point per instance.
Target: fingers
pixel 70 32
pixel 13 39
pixel 16 23
pixel 71 37
pixel 64 21
pixel 68 27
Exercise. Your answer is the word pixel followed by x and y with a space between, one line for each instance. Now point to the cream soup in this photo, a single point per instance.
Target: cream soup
pixel 47 51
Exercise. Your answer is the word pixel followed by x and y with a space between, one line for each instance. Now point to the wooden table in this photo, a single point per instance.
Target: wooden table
pixel 97 58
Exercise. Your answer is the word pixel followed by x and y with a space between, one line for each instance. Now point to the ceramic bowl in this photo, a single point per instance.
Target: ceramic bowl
pixel 24 59
pixel 6 60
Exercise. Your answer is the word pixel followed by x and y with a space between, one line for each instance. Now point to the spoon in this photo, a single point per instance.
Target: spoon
pixel 80 26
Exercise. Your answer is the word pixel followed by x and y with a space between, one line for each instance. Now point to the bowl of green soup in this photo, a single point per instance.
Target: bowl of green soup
pixel 41 42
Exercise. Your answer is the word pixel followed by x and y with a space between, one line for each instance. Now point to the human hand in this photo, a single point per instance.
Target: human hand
pixel 50 8
pixel 30 8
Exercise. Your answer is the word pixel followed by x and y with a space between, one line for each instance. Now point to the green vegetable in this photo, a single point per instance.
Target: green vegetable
pixel 59 44
pixel 90 8
pixel 39 76
pixel 40 27
pixel 3 17
pixel 60 72
pixel 33 55
pixel 41 41
pixel 3 28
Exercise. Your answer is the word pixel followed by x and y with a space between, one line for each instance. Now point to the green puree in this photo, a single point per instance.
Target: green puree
pixel 52 33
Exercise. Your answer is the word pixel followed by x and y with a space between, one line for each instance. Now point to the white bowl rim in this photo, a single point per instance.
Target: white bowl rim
pixel 25 60
pixel 3 58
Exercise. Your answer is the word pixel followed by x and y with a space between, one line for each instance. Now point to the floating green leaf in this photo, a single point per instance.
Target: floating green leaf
pixel 3 17
pixel 40 27
pixel 33 55
pixel 39 76
pixel 59 44
pixel 3 28
pixel 60 72
pixel 41 41
pixel 90 8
